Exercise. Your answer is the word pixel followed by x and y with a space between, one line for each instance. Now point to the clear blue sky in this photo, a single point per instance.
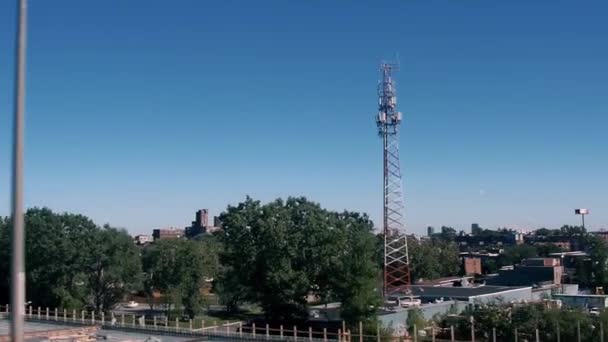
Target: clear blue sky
pixel 140 112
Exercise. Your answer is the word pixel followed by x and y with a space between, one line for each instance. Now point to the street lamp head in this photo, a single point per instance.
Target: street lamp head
pixel 581 211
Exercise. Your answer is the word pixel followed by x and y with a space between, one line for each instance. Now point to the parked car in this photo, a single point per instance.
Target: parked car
pixel 132 304
pixel 594 311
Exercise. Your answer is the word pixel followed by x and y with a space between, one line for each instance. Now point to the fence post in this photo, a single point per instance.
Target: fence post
pixel 176 324
pixel 155 327
pixel 537 336
pixel 281 331
pixel 267 332
pixel 166 322
pixel 432 333
pixel 7 308
pixel 516 337
pixel 122 319
pixel 601 332
pixel 252 328
pixel 65 315
pixel 214 326
pixel 30 311
pixel 578 331
pixel 93 317
pixel 310 333
pixel 493 334
pixel 472 329
pixel 190 323
pixel 360 331
pixel 324 334
pixel 295 333
pixel 47 313
pixel 74 315
pixel 339 335
pixel 452 337
pixel 415 333
pixel 240 329
pixel 228 328
pixel 82 316
pixel 39 313
pixel 377 333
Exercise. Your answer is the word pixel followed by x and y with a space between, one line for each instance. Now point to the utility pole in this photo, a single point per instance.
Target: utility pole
pixel 396 259
pixel 18 234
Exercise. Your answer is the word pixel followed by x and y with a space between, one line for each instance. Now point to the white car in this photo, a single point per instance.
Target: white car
pixel 132 304
pixel 594 311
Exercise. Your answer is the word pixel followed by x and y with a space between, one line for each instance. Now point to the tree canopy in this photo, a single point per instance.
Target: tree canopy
pixel 280 253
pixel 71 262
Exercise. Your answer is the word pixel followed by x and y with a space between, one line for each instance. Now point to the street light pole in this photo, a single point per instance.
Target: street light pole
pixel 18 233
pixel 582 212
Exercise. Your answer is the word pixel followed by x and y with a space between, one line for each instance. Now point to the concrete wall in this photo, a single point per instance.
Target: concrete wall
pixel 583 301
pixel 514 295
pixel 398 319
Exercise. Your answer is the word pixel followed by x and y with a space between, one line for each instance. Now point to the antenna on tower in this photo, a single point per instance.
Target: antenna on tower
pixel 396 259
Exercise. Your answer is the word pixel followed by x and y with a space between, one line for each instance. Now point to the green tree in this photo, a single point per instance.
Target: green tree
pixel 515 254
pixel 114 267
pixel 178 269
pixel 355 284
pixel 279 253
pixel 432 259
pixel 415 318
pixel 57 256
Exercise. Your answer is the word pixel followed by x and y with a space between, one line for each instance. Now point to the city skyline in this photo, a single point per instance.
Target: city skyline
pixel 140 120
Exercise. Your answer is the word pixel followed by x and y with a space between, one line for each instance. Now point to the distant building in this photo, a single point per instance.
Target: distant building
pixel 430 231
pixel 583 301
pixel 165 234
pixel 533 271
pixel 471 266
pixel 143 239
pixel 201 225
pixel 475 229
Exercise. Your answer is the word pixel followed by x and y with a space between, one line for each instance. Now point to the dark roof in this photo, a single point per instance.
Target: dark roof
pixel 460 292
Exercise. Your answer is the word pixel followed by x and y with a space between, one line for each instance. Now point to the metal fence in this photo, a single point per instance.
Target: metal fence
pixel 239 331
pixel 196 329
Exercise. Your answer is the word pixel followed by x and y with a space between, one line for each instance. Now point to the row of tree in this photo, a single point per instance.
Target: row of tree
pixel 523 320
pixel 280 255
pixel 71 262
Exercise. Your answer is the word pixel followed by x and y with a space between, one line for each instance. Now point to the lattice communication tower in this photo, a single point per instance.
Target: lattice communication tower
pixel 396 259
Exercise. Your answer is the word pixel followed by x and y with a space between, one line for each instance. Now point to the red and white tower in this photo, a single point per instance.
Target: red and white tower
pixel 396 259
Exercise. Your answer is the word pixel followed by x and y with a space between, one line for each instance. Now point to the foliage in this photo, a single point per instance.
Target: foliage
pixel 433 258
pixel 415 318
pixel 278 253
pixel 62 251
pixel 114 268
pixel 505 319
pixel 178 268
pixel 515 254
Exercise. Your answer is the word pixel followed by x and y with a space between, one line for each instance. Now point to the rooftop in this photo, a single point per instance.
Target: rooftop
pixel 462 293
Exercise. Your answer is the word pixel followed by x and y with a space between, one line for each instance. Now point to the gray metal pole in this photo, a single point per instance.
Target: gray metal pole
pixel 18 244
pixel 578 331
pixel 601 332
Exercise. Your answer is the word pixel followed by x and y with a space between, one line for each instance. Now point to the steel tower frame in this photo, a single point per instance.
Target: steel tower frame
pixel 396 258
